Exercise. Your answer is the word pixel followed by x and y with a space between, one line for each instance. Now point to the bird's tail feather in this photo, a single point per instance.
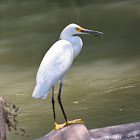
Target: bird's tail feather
pixel 40 91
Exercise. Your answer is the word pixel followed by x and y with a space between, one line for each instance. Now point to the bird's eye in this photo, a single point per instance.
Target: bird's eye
pixel 79 29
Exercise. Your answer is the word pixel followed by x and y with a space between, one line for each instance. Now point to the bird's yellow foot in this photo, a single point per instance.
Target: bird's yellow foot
pixel 60 126
pixel 74 122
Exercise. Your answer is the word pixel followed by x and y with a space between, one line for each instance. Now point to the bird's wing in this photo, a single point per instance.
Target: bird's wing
pixel 54 65
pixel 60 55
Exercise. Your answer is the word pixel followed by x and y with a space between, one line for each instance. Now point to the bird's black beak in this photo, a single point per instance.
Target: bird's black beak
pixel 91 32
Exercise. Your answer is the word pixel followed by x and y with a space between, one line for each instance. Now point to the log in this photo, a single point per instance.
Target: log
pixel 2 120
pixel 129 131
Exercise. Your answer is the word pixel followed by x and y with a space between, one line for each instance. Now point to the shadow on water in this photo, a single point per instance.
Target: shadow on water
pixel 102 87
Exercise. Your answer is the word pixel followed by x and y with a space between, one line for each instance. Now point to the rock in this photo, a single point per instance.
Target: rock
pixel 129 131
pixel 71 132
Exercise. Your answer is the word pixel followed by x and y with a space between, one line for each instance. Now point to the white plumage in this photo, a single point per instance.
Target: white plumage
pixel 55 64
pixel 57 61
pixel 53 67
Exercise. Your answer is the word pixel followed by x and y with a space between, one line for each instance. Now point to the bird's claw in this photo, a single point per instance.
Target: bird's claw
pixel 76 121
pixel 60 126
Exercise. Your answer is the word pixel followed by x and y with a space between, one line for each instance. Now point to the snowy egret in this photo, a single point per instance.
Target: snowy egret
pixel 55 64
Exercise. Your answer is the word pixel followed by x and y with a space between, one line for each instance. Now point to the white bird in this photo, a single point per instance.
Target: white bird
pixel 56 63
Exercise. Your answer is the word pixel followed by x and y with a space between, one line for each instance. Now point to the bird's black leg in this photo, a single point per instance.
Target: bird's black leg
pixel 67 122
pixel 59 100
pixel 53 104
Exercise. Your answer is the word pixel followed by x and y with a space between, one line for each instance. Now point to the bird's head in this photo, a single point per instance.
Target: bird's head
pixel 73 29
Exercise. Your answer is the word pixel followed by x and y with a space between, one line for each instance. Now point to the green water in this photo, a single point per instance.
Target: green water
pixel 103 85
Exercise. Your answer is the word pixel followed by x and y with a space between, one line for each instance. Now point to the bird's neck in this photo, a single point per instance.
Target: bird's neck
pixel 76 42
